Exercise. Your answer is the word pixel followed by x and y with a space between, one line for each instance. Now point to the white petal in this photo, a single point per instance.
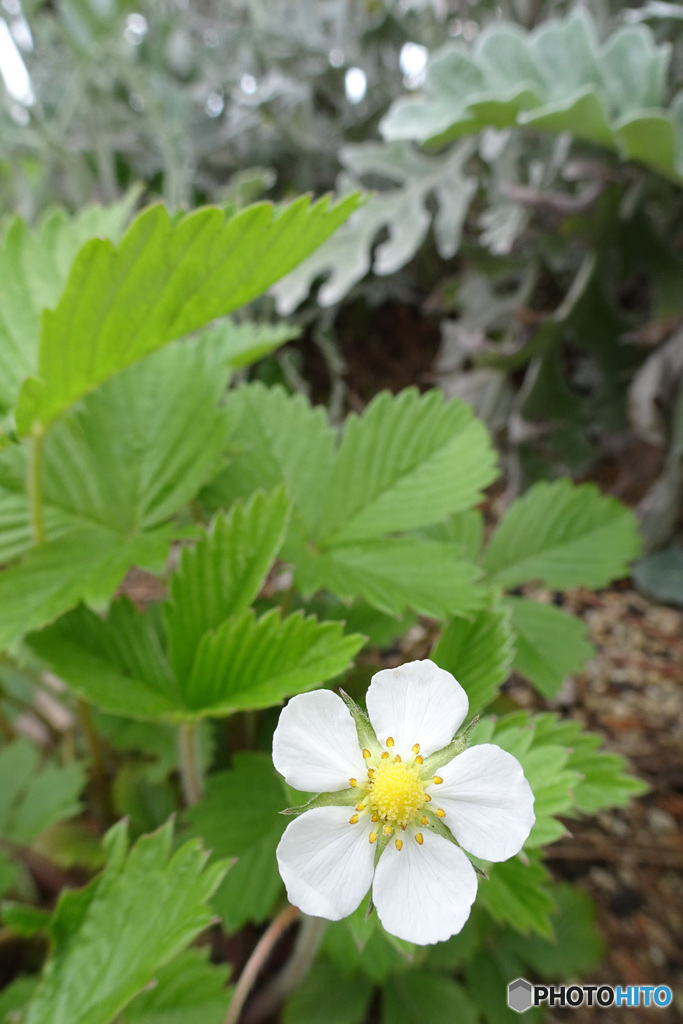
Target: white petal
pixel 315 745
pixel 488 802
pixel 326 863
pixel 424 893
pixel 416 703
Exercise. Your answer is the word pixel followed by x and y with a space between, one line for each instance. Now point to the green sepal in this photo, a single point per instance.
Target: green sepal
pixel 437 825
pixel 446 754
pixel 342 798
pixel 366 734
pixel 382 843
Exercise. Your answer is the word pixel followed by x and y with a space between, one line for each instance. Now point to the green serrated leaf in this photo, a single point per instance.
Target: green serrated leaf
pixel 239 344
pixel 222 574
pixel 519 894
pixel 250 831
pixel 253 792
pixel 144 802
pixel 577 947
pixel 32 797
pixel 278 439
pixel 394 574
pixel 545 764
pixel 464 529
pixel 34 266
pixel 118 664
pixel 168 277
pixel 408 461
pixel 15 997
pixel 325 997
pixel 487 981
pixel 361 617
pixel 141 447
pixel 188 990
pixel 359 945
pixel 604 779
pixel 417 996
pixel 115 470
pixel 252 663
pixel 149 902
pixel 24 919
pixel 564 536
pixel 478 651
pixel 56 576
pixel 550 644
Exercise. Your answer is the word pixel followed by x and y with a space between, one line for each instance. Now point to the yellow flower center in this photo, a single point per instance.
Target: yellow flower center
pixel 396 793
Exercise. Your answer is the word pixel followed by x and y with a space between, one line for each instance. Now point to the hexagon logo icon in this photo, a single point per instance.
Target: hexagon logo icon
pixel 520 995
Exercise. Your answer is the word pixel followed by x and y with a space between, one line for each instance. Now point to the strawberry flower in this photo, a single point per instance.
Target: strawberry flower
pixel 399 801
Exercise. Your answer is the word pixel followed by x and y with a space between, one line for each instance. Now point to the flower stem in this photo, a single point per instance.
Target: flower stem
pixel 99 769
pixel 261 952
pixel 35 488
pixel 307 943
pixel 190 763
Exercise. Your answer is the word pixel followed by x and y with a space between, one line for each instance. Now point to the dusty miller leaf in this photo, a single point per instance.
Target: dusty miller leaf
pixel 403 211
pixel 557 78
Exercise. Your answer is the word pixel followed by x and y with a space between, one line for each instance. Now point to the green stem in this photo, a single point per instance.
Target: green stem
pixel 99 768
pixel 190 763
pixel 261 952
pixel 286 600
pixel 293 973
pixel 35 488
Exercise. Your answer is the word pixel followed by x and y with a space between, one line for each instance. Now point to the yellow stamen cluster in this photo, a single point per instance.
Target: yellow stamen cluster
pixel 394 794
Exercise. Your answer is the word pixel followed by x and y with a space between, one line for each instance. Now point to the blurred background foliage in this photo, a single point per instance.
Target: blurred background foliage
pixel 541 237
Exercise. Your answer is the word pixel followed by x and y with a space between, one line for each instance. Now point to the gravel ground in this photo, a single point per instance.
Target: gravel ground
pixel 630 860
